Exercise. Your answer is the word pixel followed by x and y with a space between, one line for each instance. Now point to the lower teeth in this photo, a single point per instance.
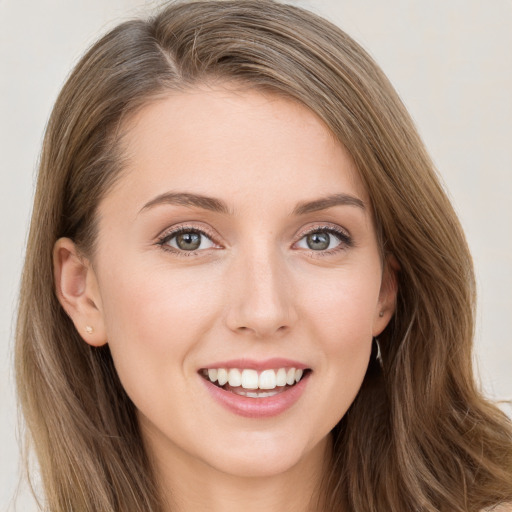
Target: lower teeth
pixel 255 394
pixel 261 394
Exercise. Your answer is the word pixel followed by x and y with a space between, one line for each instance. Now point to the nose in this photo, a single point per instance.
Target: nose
pixel 260 297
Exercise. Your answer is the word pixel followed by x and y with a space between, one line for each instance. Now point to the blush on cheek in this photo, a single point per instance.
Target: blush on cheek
pixel 156 304
pixel 344 326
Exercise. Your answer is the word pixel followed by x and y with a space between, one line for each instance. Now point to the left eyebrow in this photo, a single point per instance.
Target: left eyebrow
pixel 328 202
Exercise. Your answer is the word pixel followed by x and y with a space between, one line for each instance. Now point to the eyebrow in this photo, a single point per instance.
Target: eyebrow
pixel 186 199
pixel 219 206
pixel 328 202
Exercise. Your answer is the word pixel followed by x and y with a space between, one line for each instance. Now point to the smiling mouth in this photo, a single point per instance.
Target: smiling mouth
pixel 254 384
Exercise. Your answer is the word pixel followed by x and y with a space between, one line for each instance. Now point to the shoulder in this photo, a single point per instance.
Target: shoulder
pixel 505 507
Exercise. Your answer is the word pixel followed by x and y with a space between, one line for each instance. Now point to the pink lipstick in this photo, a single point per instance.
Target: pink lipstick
pixel 256 389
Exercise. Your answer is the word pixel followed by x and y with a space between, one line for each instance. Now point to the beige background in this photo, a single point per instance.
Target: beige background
pixel 450 61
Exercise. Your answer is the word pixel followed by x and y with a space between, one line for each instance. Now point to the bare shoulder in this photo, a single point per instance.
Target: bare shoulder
pixel 505 507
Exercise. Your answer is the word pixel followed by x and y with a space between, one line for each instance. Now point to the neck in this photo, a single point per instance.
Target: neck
pixel 189 485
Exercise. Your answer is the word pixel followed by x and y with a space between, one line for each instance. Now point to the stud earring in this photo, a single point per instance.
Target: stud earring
pixel 88 329
pixel 381 314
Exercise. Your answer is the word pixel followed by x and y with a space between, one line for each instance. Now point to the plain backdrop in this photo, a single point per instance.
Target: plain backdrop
pixel 451 62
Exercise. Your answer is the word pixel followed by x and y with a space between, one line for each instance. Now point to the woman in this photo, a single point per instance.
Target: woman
pixel 260 295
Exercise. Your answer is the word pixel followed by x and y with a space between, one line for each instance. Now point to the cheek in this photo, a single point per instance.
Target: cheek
pixel 155 317
pixel 341 313
pixel 342 310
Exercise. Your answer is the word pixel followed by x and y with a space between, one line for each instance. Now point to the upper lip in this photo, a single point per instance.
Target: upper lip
pixel 252 364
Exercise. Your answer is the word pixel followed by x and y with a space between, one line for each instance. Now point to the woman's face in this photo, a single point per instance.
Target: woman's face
pixel 238 243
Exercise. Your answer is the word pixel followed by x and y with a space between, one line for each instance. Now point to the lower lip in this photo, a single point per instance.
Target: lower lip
pixel 258 407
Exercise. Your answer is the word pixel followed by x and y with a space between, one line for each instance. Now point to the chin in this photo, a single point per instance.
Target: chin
pixel 264 457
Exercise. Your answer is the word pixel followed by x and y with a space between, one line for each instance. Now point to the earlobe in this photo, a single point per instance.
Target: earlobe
pixel 387 296
pixel 77 291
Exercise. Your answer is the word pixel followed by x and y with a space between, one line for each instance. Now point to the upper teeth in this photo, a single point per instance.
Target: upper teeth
pixel 251 379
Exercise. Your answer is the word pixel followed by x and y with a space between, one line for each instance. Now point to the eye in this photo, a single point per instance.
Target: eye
pixel 186 239
pixel 324 239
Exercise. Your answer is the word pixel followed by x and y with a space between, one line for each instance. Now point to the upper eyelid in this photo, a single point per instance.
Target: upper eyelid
pixel 172 231
pixel 323 227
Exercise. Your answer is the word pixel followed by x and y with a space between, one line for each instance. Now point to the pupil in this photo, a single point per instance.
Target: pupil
pixel 318 241
pixel 188 241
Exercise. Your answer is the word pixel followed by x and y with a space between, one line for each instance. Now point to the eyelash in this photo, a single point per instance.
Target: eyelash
pixel 169 235
pixel 344 238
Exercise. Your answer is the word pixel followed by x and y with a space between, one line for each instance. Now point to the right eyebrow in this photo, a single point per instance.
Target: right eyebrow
pixel 187 199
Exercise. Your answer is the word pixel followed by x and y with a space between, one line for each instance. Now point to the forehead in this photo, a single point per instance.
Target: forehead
pixel 234 144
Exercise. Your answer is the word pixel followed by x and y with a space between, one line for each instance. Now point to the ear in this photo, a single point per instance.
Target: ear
pixel 78 292
pixel 387 296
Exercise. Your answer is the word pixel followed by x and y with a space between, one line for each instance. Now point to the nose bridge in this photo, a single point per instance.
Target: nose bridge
pixel 261 299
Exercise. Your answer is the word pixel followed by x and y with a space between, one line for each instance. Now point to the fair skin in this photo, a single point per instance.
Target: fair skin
pixel 262 271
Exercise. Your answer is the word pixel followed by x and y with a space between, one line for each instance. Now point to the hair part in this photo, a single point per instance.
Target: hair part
pixel 419 435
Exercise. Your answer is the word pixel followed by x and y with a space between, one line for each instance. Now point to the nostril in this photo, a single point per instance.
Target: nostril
pixel 259 332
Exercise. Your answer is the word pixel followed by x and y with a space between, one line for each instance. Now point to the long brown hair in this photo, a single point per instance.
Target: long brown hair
pixel 419 436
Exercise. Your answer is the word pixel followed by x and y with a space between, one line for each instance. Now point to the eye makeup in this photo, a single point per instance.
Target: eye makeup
pixel 187 235
pixel 189 240
pixel 345 241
